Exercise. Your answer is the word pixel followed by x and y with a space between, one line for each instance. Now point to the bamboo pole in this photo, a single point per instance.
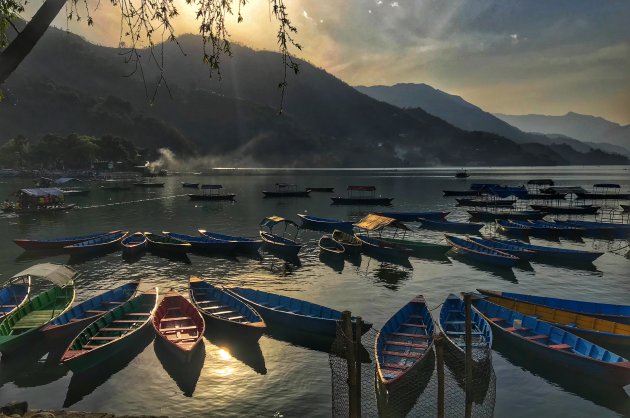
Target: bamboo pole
pixel 439 350
pixel 357 359
pixel 469 356
pixel 346 323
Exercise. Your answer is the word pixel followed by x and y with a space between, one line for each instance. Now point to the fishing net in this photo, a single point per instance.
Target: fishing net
pixel 416 395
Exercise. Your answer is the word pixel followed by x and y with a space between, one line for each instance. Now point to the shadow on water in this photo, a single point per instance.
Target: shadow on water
pixel 34 365
pixel 39 255
pixel 334 261
pixel 353 257
pixel 174 257
pixel 504 273
pixel 390 259
pixel 84 382
pixel 481 372
pixel 598 392
pixel 84 258
pixel 185 375
pixel 390 275
pixel 133 258
pixel 398 401
pixel 243 350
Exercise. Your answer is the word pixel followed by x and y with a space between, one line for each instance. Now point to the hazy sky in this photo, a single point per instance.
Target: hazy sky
pixel 509 56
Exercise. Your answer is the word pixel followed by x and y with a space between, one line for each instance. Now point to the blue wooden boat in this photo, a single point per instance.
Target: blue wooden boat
pixel 606 333
pixel 413 216
pixel 244 244
pixel 404 342
pixel 294 315
pixel 382 247
pixel 566 350
pixel 224 312
pixel 510 228
pixel 134 244
pixel 329 246
pixel 323 224
pixel 453 323
pixel 609 312
pixel 611 229
pixel 101 244
pixel 161 244
pixel 203 244
pixel 554 254
pixel 515 250
pixel 500 203
pixel 480 252
pixel 77 318
pixel 280 243
pixel 190 185
pixel 551 228
pixel 56 243
pixel 446 225
pixel 13 295
pixel 491 216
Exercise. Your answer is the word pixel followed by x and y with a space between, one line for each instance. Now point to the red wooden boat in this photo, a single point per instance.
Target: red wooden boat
pixel 179 325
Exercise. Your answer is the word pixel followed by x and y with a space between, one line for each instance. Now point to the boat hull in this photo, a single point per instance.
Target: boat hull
pixel 279 244
pixel 227 196
pixel 481 253
pixel 302 193
pixel 321 224
pixel 458 227
pixel 35 245
pixel 381 247
pixel 413 216
pixel 376 201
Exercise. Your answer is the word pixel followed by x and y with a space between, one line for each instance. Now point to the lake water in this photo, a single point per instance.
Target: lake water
pixel 276 376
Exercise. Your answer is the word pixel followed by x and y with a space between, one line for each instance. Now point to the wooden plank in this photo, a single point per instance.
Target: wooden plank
pixel 104 338
pixel 395 366
pixel 402 344
pixel 92 311
pixel 413 325
pixel 233 318
pixel 176 318
pixel 559 346
pixel 403 334
pixel 138 314
pixel 169 330
pixel 400 354
pixel 537 337
pixel 127 321
pixel 223 312
pixel 114 329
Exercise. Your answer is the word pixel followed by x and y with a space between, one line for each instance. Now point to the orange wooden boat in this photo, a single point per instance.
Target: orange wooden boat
pixel 179 325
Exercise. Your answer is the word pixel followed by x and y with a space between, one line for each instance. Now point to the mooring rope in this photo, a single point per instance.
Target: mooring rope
pixel 130 202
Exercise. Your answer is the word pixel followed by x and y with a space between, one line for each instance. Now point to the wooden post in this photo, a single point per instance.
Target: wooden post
pixel 469 356
pixel 346 322
pixel 439 353
pixel 357 359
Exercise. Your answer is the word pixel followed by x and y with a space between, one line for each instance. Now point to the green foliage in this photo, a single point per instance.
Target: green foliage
pixel 72 151
pixel 9 10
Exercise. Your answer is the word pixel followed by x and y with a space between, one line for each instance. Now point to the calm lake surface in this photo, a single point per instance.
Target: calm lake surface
pixel 276 376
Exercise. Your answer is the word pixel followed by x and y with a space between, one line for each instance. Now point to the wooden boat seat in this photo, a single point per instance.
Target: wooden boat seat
pixel 223 312
pixel 111 302
pixel 559 346
pixel 93 311
pixel 127 321
pixel 401 354
pixel 395 366
pixel 75 319
pixel 8 306
pixel 454 322
pixel 394 372
pixel 183 339
pixel 138 314
pixel 233 318
pixel 205 302
pixel 497 319
pixel 176 318
pixel 512 329
pixel 403 344
pixel 215 307
pixel 463 333
pixel 413 325
pixel 537 337
pixel 104 338
pixel 187 328
pixel 114 329
pixel 416 316
pixel 403 334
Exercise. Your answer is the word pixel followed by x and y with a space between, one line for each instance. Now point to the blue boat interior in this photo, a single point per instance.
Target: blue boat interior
pixel 77 238
pixel 473 246
pixel 277 239
pixel 11 296
pixel 216 236
pixel 136 238
pixel 404 339
pixel 99 304
pixel 216 302
pixel 101 239
pixel 543 333
pixel 453 323
pixel 191 238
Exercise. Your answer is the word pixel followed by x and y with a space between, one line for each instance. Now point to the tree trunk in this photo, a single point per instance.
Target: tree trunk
pixel 24 42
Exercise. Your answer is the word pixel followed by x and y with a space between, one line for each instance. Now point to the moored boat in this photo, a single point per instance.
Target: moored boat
pixel 566 350
pixel 294 315
pixel 166 245
pixel 413 216
pixel 112 332
pixel 280 243
pixel 190 185
pixel 600 229
pixel 453 323
pixel 480 252
pixel 404 342
pixel 510 228
pixel 349 241
pixel 324 224
pixel 490 216
pixel 13 294
pixel 609 312
pixel 461 193
pixel 134 244
pixel 376 245
pixel 244 244
pixel 287 190
pixel 362 195
pixel 203 244
pixel 56 243
pixel 567 210
pixel 597 330
pixel 328 245
pixel 380 246
pixel 321 189
pixel 225 312
pixel 419 247
pixel 450 226
pixel 506 247
pixel 484 203
pixel 79 316
pixel 22 324
pixel 101 244
pixel 148 184
pixel 179 325
pixel 554 254
pixel 212 192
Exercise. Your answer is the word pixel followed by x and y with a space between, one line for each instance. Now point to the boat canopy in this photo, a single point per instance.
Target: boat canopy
pixel 42 192
pixel 505 191
pixel 211 186
pixel 483 186
pixel 374 222
pixel 362 188
pixel 541 182
pixel 607 185
pixel 64 180
pixel 272 221
pixel 58 274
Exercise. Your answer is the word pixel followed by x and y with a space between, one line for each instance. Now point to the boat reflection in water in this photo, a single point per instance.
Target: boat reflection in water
pixel 388 273
pixel 608 396
pixel 334 261
pixel 504 273
pixel 185 375
pixel 34 365
pixel 222 348
pixel 86 381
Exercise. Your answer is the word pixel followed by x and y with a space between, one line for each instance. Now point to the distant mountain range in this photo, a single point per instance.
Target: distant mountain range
pixel 590 129
pixel 455 110
pixel 67 85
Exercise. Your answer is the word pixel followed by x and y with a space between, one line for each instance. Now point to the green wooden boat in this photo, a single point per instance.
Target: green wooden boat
pixel 419 247
pixel 24 322
pixel 113 332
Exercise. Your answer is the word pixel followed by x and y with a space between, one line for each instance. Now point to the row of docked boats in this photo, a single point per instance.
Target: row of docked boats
pixel 563 228
pixel 356 195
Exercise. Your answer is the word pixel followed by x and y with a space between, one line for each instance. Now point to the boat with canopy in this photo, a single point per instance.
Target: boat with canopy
pixel 279 243
pixel 287 190
pixel 362 195
pixel 385 245
pixel 211 192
